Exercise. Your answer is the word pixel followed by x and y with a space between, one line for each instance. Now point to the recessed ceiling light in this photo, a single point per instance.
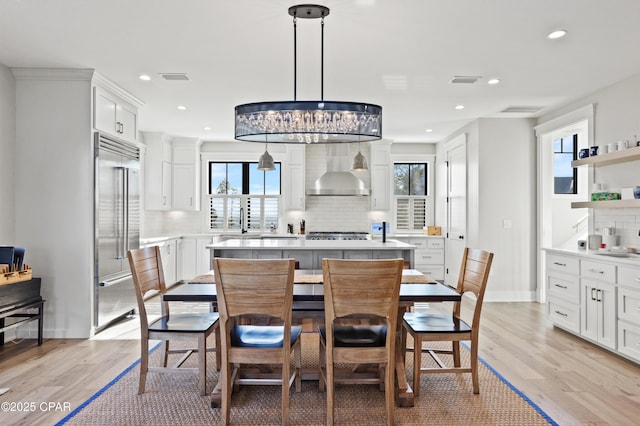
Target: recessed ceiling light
pixel 557 34
pixel 493 81
pixel 459 106
pixel 207 128
pixel 144 77
pixel 182 107
pixel 429 130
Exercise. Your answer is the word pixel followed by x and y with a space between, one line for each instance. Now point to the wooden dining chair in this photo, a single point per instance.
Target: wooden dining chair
pixel 473 277
pixel 361 312
pixel 257 289
pixel 148 276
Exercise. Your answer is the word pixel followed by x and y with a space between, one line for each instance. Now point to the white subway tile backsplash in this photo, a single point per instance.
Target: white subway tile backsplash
pixel 626 221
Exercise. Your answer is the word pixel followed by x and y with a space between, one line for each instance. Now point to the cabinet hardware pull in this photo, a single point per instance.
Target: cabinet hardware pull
pixel 595 271
pixel 561 313
pixel 559 264
pixel 560 286
pixel 592 296
pixel 599 298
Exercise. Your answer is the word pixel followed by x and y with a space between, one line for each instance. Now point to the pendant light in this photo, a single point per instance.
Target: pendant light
pixel 265 162
pixel 317 121
pixel 359 162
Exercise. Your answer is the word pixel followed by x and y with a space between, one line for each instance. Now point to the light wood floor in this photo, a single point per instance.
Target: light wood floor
pixel 571 380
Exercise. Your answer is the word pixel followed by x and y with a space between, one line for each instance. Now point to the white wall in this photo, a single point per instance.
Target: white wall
pixel 54 195
pixel 501 186
pixel 617 117
pixel 7 155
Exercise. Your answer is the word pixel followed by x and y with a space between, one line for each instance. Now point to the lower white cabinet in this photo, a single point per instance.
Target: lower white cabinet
pixel 428 255
pixel 598 306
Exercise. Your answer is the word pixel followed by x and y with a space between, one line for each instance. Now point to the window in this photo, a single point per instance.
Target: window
pixel 411 195
pixel 565 177
pixel 239 191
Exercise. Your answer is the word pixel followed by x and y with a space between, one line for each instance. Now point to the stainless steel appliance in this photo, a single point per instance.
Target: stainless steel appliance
pixel 338 235
pixel 117 226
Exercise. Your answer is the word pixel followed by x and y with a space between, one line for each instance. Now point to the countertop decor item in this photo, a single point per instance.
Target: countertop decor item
pixel 316 121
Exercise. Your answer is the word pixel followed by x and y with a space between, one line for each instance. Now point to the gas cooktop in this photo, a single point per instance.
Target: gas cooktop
pixel 338 235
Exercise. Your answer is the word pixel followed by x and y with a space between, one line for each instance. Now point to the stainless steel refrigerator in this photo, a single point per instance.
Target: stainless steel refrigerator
pixel 117 226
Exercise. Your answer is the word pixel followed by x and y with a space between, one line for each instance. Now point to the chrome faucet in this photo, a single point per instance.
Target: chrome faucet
pixel 242 228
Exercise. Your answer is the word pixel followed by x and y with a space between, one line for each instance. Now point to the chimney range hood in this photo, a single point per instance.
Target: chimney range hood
pixel 338 180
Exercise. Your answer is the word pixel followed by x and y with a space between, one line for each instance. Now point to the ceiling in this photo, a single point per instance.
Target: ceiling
pixel 399 54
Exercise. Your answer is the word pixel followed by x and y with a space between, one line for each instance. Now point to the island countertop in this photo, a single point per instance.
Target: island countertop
pixel 302 244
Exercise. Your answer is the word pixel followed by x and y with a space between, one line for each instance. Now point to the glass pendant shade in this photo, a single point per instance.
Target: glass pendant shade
pixel 265 162
pixel 359 163
pixel 316 121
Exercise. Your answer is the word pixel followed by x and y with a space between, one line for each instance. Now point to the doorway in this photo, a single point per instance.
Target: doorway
pixel 456 235
pixel 558 224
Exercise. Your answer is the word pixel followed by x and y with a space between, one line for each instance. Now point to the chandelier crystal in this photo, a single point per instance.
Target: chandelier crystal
pixel 308 121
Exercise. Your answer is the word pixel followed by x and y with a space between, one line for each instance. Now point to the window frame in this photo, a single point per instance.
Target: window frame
pixel 576 149
pixel 429 160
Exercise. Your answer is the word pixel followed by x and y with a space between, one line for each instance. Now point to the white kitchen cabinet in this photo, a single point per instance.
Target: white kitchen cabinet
pixel 629 311
pixel 203 256
pixel 187 247
pixel 169 252
pixel 303 257
pixel 157 171
pixel 380 187
pixel 428 255
pixel 598 307
pixel 295 178
pixel 185 175
pixel 563 290
pixel 114 116
pixel 381 176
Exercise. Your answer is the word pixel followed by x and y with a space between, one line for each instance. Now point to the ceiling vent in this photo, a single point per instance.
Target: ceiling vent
pixel 175 76
pixel 522 109
pixel 465 79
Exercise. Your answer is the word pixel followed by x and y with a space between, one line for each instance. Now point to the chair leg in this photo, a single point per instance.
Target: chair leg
pixel 456 353
pixel 144 364
pixel 216 330
pixel 297 353
pixel 165 347
pixel 286 376
pixel 322 361
pixel 202 367
pixel 225 403
pixel 474 368
pixel 330 386
pixel 389 392
pixel 417 363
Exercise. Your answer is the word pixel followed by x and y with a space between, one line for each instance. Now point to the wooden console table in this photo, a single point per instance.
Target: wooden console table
pixel 15 301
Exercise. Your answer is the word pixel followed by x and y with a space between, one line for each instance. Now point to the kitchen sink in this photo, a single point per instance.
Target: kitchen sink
pixel 623 255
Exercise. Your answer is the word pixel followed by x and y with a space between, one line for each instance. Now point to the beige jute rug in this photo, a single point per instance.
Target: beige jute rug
pixel 173 399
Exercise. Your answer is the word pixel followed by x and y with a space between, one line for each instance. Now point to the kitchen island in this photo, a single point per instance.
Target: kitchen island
pixel 309 253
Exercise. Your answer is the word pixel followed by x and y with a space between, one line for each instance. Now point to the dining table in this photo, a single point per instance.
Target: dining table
pixel 308 297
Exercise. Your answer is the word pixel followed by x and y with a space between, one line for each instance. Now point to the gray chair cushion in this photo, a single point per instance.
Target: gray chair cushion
pixel 356 335
pixel 261 336
pixel 435 323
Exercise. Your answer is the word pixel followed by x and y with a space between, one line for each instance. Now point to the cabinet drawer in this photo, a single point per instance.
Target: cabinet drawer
pixel 387 254
pixel 429 257
pixel 629 276
pixel 432 271
pixel 564 314
pixel 565 287
pixel 566 264
pixel 629 340
pixel 629 305
pixel 420 243
pixel 435 243
pixel 267 254
pixel 599 271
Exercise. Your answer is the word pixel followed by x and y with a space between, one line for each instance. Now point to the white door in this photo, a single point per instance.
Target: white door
pixel 456 211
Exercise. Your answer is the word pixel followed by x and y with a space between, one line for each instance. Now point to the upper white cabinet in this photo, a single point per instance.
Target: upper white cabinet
pixel 157 171
pixel 380 176
pixel 295 179
pixel 114 116
pixel 186 174
pixel 172 172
